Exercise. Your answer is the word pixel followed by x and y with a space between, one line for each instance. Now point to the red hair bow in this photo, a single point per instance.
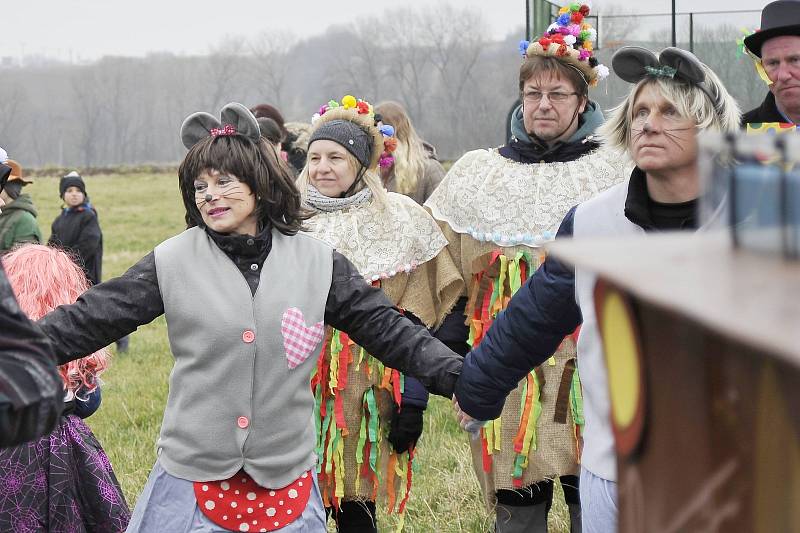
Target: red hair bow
pixel 227 130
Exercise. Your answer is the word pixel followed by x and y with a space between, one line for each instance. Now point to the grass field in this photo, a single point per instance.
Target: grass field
pixel 136 213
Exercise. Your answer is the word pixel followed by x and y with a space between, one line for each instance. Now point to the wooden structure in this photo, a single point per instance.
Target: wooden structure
pixel 703 352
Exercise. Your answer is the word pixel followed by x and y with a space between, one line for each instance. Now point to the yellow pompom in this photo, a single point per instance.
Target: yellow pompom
pixel 349 102
pixel 563 10
pixel 587 45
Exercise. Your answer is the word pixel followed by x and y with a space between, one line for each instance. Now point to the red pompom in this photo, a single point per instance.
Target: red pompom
pixel 545 42
pixel 584 10
pixel 390 144
pixel 363 108
pixel 557 38
pixel 577 18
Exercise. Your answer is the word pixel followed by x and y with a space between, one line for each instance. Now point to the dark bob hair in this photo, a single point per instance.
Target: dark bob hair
pixel 256 164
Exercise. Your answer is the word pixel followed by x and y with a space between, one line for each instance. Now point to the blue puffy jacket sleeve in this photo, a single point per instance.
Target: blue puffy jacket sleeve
pixel 527 333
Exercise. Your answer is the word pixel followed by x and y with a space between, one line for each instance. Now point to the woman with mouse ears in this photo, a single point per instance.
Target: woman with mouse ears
pixel 370 416
pixel 246 296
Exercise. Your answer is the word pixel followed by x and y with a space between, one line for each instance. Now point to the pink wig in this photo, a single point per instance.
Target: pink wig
pixel 42 279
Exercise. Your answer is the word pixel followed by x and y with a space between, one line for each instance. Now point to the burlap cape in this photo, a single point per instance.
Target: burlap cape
pixel 356 395
pixel 488 207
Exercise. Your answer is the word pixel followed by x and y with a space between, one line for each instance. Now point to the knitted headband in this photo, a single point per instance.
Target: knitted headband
pixel 350 136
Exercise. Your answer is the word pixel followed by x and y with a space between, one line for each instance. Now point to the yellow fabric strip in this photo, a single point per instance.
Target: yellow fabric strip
pixel 530 432
pixel 498 433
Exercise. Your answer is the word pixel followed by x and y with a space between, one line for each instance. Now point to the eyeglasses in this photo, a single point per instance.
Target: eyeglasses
pixel 556 96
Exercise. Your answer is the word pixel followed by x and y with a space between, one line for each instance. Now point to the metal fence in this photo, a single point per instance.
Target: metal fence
pixel 712 35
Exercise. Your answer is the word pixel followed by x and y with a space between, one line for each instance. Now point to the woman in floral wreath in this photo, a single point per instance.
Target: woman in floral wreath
pixel 369 416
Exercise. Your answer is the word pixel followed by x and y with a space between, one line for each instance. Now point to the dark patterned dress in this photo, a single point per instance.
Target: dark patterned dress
pixel 61 483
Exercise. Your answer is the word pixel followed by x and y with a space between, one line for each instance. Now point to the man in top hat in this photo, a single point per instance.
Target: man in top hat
pixel 776 50
pixel 18 219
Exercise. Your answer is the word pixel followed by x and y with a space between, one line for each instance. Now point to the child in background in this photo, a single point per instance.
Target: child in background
pixel 77 229
pixel 62 482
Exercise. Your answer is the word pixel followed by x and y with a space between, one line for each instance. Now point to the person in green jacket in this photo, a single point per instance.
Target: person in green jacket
pixel 18 218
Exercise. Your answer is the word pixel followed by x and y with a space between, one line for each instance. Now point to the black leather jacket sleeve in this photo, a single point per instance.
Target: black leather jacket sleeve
pixel 369 318
pixel 31 390
pixel 106 312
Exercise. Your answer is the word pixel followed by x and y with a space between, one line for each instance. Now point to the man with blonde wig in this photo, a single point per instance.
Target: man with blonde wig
pixel 675 97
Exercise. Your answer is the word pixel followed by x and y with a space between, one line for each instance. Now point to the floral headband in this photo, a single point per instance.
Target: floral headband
pixel 362 113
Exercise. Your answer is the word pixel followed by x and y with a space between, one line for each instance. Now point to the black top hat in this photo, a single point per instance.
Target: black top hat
pixel 778 18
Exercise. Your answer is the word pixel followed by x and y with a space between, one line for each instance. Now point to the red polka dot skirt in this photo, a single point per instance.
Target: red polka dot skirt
pixel 240 504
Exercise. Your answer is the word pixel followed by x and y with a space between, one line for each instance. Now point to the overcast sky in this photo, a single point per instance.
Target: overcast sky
pixel 88 29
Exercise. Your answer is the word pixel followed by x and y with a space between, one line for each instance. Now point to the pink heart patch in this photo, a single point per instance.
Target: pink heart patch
pixel 299 340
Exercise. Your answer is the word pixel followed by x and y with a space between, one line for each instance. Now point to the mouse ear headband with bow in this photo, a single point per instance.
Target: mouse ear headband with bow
pixel 235 119
pixel 634 63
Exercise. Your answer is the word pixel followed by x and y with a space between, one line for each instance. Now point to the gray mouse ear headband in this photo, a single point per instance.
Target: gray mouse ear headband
pixel 634 63
pixel 235 119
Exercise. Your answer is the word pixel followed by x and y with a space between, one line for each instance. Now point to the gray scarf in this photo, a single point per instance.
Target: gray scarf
pixel 319 202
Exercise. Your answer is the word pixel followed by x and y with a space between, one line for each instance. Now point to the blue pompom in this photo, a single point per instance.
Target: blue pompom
pixel 523 47
pixel 387 130
pixel 564 19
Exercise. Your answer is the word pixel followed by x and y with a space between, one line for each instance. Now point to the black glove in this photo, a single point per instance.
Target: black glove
pixel 406 428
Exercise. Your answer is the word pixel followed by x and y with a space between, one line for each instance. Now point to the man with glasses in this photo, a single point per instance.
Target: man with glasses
pixel 31 391
pixel 776 50
pixel 497 208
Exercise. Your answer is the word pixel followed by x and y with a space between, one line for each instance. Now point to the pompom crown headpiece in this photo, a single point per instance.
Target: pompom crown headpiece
pixel 570 39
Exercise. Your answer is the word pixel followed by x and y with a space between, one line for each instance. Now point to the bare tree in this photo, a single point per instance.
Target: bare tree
pixel 456 37
pixel 224 67
pixel 12 103
pixel 409 58
pixel 270 61
pixel 88 110
pixel 360 65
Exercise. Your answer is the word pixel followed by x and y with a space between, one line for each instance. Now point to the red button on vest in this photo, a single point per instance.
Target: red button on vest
pixel 248 336
pixel 242 422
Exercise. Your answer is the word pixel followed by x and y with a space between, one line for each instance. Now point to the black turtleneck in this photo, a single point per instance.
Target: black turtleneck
pixel 540 152
pixel 656 216
pixel 247 252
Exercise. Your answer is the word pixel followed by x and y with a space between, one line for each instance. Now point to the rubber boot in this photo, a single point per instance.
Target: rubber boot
pixel 525 509
pixel 573 500
pixel 521 519
pixel 356 517
pixel 574 517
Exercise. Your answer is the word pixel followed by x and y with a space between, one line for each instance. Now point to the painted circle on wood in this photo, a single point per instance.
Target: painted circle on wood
pixel 622 358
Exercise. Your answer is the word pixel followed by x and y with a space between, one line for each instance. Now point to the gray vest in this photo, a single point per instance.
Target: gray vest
pixel 233 400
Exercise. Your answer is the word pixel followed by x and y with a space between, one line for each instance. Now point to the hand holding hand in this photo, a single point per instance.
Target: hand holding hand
pixel 467 423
